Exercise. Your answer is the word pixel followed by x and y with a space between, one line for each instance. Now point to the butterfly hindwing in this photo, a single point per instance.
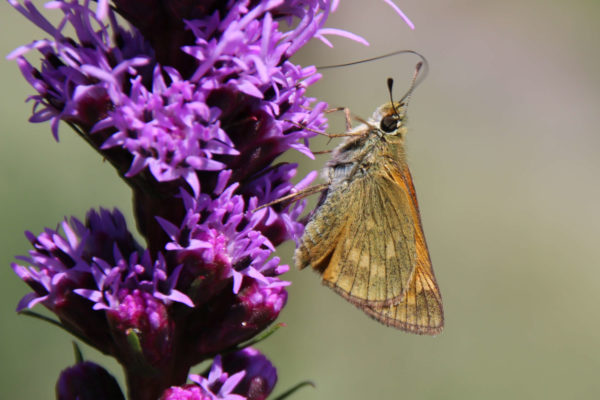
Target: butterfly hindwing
pixel 420 311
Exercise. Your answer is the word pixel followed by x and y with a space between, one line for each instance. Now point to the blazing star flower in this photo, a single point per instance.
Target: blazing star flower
pixel 191 102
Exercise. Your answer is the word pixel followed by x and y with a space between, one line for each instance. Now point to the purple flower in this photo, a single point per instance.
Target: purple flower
pixel 87 381
pixel 246 374
pixel 260 376
pixel 191 102
pixel 217 385
pixel 100 283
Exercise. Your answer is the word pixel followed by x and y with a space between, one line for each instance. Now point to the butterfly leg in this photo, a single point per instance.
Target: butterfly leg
pixel 295 196
pixel 322 152
pixel 329 135
pixel 347 117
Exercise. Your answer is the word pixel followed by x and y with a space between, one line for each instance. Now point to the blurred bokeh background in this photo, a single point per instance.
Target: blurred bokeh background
pixel 504 148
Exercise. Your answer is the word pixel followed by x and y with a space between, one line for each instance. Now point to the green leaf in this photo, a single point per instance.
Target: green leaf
pixel 78 354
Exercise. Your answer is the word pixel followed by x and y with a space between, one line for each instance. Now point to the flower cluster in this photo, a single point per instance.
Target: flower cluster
pixel 192 103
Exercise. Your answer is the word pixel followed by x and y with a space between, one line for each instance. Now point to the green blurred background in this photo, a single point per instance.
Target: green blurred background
pixel 504 149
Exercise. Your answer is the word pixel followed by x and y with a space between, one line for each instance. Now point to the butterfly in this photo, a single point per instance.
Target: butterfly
pixel 365 236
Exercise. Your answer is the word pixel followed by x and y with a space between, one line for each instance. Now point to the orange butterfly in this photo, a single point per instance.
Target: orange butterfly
pixel 365 237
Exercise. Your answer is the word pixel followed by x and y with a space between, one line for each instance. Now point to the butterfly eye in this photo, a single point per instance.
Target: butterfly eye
pixel 389 123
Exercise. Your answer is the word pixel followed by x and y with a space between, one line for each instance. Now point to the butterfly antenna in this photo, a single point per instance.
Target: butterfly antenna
pixel 366 60
pixel 413 85
pixel 422 74
pixel 390 84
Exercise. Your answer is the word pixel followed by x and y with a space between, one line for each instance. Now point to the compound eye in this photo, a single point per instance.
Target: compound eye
pixel 389 123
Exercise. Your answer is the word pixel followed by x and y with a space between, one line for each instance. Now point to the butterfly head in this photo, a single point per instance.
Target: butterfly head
pixel 390 119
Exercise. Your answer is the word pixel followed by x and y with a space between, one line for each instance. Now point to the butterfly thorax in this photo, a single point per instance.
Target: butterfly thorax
pixel 371 148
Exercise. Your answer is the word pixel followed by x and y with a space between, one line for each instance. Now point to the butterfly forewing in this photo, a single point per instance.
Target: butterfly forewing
pixel 362 240
pixel 376 255
pixel 420 310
